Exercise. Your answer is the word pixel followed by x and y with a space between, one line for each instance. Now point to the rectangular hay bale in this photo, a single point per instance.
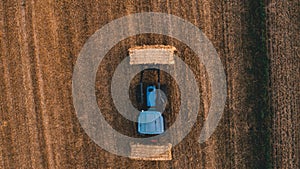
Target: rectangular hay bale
pixel 155 54
pixel 144 152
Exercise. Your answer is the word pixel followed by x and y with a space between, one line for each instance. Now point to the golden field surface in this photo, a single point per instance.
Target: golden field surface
pixel 258 44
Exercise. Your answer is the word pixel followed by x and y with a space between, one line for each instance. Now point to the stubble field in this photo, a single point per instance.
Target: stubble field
pixel 257 41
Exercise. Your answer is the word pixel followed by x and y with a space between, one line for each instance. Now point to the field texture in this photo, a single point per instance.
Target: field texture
pixel 257 41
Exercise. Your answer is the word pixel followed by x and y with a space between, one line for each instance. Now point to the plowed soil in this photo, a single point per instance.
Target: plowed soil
pixel 257 41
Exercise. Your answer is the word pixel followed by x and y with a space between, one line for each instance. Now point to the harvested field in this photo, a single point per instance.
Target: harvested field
pixel 257 41
pixel 283 47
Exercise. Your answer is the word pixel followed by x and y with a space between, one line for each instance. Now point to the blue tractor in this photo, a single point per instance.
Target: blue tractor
pixel 150 121
pixel 151 103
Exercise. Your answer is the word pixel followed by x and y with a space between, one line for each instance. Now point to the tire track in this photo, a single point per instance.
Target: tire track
pixel 23 20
